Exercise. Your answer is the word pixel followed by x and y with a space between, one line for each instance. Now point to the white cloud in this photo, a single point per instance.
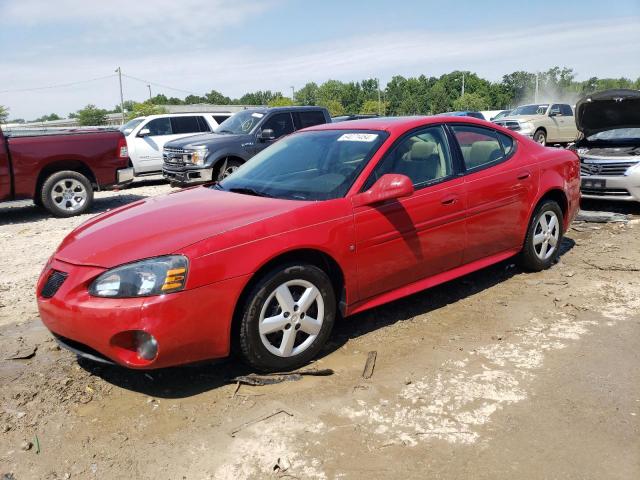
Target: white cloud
pixel 598 48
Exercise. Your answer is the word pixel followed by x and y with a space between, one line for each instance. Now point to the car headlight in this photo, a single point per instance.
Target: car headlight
pixel 154 276
pixel 198 155
pixel 633 169
pixel 526 126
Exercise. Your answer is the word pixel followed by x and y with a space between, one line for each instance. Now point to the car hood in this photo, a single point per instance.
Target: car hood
pixel 608 110
pixel 521 118
pixel 210 140
pixel 165 224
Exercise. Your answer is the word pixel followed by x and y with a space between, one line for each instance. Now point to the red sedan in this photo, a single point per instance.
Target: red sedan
pixel 336 218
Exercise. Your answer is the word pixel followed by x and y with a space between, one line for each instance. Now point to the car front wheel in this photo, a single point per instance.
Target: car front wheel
pixel 542 244
pixel 287 318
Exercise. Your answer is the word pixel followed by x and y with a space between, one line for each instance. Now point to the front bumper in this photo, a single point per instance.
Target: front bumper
pixel 624 188
pixel 188 176
pixel 189 326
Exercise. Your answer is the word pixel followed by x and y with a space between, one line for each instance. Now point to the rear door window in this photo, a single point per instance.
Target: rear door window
pixel 480 146
pixel 566 111
pixel 280 123
pixel 308 119
pixel 185 125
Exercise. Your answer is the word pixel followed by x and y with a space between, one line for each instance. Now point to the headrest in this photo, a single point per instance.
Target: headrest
pixel 422 150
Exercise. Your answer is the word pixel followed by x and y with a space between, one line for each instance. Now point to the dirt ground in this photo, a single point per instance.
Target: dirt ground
pixel 501 374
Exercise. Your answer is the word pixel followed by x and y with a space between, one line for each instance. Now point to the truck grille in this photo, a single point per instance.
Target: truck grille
pixel 616 169
pixel 510 124
pixel 53 284
pixel 174 156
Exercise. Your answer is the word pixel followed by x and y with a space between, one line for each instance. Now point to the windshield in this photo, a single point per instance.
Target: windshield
pixel 502 114
pixel 128 127
pixel 241 122
pixel 618 134
pixel 538 109
pixel 317 165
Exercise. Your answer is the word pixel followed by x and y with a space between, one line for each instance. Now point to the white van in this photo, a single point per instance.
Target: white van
pixel 146 136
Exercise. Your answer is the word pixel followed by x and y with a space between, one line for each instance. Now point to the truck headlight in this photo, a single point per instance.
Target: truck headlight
pixel 526 127
pixel 154 276
pixel 198 155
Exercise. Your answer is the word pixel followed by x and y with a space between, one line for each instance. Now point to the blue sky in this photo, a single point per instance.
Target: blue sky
pixel 238 46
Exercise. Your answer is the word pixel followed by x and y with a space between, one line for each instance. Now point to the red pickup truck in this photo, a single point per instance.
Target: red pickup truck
pixel 61 170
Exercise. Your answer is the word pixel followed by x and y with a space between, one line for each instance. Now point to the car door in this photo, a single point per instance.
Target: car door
pixel 568 127
pixel 280 123
pixel 401 241
pixel 498 189
pixel 556 122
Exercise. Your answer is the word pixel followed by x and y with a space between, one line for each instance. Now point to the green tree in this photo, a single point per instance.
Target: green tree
pixel 471 101
pixel 92 116
pixel 440 101
pixel 334 106
pixel 193 99
pixel 4 114
pixel 144 109
pixel 372 106
pixel 281 102
pixel 258 98
pixel 48 118
pixel 216 98
pixel 520 86
pixel 307 95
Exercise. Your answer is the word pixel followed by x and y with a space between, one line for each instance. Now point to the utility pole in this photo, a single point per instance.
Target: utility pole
pixel 293 94
pixel 149 87
pixel 537 84
pixel 462 95
pixel 379 101
pixel 119 72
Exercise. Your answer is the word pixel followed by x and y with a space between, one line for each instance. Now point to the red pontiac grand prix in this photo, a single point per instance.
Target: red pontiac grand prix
pixel 337 218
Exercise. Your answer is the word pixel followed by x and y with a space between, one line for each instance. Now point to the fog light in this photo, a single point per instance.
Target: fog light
pixel 146 345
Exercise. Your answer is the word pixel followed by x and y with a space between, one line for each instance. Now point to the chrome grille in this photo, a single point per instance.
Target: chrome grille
pixel 53 283
pixel 609 169
pixel 510 124
pixel 605 192
pixel 174 156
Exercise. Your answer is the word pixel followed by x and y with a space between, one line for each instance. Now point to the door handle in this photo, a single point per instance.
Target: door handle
pixel 449 200
pixel 524 175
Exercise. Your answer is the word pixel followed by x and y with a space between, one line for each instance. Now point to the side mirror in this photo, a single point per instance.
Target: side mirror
pixel 554 113
pixel 266 135
pixel 388 187
pixel 145 132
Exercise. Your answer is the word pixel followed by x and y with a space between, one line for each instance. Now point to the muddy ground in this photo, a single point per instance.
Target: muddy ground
pixel 501 374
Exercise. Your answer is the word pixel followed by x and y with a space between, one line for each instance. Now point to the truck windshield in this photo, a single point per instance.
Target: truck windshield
pixel 315 165
pixel 538 109
pixel 128 127
pixel 241 122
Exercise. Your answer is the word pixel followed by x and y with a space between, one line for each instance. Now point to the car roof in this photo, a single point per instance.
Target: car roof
pixel 191 114
pixel 400 124
pixel 283 109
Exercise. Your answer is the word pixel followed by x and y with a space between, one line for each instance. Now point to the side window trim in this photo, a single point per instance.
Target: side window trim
pixel 399 140
pixel 505 157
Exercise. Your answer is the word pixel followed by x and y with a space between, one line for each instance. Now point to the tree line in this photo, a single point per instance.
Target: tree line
pixel 421 95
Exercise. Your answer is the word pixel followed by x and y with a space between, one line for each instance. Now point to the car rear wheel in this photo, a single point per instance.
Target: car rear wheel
pixel 542 244
pixel 540 137
pixel 66 194
pixel 287 318
pixel 227 167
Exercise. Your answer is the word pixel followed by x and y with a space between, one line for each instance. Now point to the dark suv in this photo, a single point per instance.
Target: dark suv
pixel 214 156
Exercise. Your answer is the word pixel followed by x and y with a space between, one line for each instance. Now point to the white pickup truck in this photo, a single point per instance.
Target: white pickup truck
pixel 146 136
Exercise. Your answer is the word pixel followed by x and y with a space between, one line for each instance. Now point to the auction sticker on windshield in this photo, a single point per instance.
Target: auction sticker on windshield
pixel 358 137
pixel 257 115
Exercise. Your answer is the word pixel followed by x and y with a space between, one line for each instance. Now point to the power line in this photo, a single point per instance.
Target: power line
pixel 148 82
pixel 58 85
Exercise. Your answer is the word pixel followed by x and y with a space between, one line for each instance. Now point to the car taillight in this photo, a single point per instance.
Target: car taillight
pixel 122 148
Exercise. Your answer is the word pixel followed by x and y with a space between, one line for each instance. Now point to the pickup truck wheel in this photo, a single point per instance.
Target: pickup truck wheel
pixel 67 193
pixel 542 244
pixel 227 167
pixel 287 318
pixel 540 137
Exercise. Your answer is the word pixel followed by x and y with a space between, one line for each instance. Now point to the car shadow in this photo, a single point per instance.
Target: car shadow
pixel 627 208
pixel 186 381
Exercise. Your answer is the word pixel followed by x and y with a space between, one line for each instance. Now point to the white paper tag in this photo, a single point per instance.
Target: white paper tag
pixel 358 137
pixel 257 115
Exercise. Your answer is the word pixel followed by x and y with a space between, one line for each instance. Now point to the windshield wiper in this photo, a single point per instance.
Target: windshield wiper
pixel 224 131
pixel 249 191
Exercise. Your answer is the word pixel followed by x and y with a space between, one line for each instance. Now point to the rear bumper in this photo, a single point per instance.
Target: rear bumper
pixel 623 188
pixel 188 177
pixel 124 176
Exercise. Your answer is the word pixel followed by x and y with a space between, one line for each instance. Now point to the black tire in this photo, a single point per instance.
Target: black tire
pixel 225 168
pixel 540 137
pixel 250 344
pixel 60 208
pixel 530 257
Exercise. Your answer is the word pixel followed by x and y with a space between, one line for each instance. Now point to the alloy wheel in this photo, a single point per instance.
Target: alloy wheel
pixel 69 195
pixel 291 318
pixel 546 235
